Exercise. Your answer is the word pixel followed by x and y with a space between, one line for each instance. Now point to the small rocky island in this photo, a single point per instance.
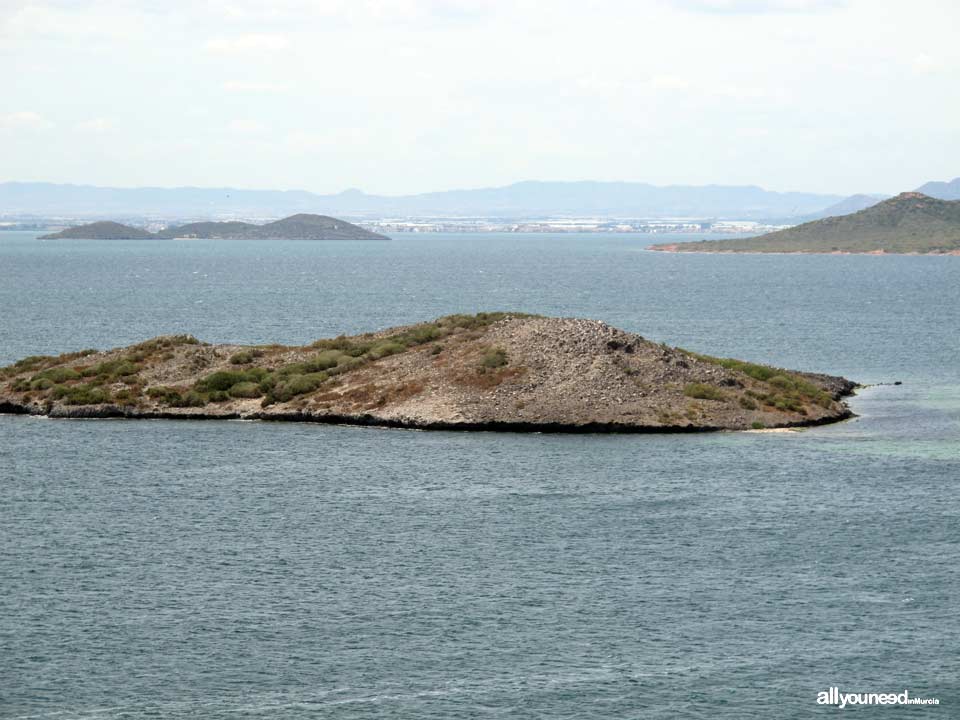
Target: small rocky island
pixel 909 224
pixel 295 227
pixel 492 371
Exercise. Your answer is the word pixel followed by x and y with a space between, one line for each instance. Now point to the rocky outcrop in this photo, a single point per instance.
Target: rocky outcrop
pixel 485 372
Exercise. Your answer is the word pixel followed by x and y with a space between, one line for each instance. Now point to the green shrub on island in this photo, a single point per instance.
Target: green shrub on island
pixel 782 382
pixel 189 399
pixel 245 390
pixel 757 372
pixel 787 403
pixel 175 398
pixel 373 348
pixel 27 364
pixel 324 361
pixel 420 335
pixel 385 350
pixel 701 391
pixel 793 391
pixel 112 370
pixel 80 394
pixel 39 362
pixel 160 392
pixel 494 358
pixel 343 344
pixel 245 357
pixel 223 380
pixel 163 343
pixel 345 365
pixel 337 356
pixel 125 397
pixel 56 375
pixel 290 386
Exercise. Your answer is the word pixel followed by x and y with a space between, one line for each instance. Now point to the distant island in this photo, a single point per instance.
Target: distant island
pixel 910 223
pixel 295 227
pixel 104 230
pixel 491 371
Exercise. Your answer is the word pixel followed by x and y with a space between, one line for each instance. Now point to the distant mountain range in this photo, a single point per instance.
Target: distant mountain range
pixel 942 190
pixel 296 227
pixel 847 206
pixel 911 222
pixel 523 200
pixel 856 203
pixel 520 200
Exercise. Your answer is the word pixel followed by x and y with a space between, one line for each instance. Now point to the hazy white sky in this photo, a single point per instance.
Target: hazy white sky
pixel 402 96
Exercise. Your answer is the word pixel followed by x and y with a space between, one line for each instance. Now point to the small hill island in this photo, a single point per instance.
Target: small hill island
pixel 105 230
pixel 492 371
pixel 295 227
pixel 910 223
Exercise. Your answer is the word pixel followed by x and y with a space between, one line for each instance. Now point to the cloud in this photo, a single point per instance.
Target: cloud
pixel 669 82
pixel 248 43
pixel 95 125
pixel 259 88
pixel 352 12
pixel 245 127
pixel 71 22
pixel 925 64
pixel 10 9
pixel 333 140
pixel 24 120
pixel 752 7
pixel 746 92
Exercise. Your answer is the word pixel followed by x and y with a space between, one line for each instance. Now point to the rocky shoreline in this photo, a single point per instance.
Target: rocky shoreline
pixel 488 372
pixel 115 412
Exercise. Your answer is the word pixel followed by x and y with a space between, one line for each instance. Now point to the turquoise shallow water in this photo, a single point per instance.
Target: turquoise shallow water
pixel 224 570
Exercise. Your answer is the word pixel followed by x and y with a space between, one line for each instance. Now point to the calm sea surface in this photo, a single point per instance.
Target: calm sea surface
pixel 153 569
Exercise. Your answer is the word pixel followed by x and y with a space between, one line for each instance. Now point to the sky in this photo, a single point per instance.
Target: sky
pixel 407 96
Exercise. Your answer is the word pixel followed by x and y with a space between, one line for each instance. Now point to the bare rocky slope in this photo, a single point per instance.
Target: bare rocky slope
pixel 492 371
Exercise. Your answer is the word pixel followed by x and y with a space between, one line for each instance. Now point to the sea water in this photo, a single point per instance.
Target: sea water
pixel 183 569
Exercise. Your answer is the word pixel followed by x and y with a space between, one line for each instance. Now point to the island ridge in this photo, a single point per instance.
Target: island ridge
pixel 491 371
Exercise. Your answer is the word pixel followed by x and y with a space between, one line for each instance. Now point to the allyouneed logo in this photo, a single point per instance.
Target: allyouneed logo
pixel 833 696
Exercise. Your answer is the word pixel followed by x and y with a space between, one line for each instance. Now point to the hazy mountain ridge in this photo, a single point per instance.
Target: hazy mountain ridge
pixel 848 206
pixel 523 199
pixel 528 199
pixel 943 190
